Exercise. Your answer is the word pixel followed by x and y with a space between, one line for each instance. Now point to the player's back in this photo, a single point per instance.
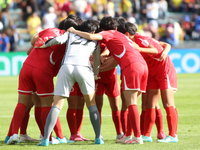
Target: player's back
pixel 45 59
pixel 78 50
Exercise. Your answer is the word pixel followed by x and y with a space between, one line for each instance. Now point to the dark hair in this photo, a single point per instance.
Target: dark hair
pixel 61 25
pixel 108 23
pixel 89 26
pixel 127 27
pixel 70 21
pixel 98 26
pixel 120 20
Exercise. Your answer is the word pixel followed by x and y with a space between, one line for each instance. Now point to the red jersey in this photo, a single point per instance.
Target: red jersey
pixel 48 59
pixel 154 65
pixel 107 76
pixel 120 47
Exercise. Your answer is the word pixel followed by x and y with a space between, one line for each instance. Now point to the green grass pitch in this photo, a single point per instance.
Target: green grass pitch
pixel 187 100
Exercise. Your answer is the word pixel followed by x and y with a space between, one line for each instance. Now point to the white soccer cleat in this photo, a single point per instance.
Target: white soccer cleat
pixel 13 139
pixel 119 136
pixel 54 141
pixel 124 139
pixel 25 137
pixel 134 140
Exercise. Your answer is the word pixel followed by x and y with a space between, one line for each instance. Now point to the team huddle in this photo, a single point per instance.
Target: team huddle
pixel 84 55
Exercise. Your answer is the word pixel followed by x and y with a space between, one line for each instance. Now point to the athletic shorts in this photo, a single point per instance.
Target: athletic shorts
pixel 69 74
pixel 32 80
pixel 166 80
pixel 134 77
pixel 75 91
pixel 110 89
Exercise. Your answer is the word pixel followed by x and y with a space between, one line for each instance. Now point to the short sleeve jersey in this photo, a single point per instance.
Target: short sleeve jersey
pixel 47 59
pixel 120 47
pixel 154 65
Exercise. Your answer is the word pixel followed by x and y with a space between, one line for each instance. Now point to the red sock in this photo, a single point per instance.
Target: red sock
pixel 124 120
pixel 57 128
pixel 134 119
pixel 24 124
pixel 149 119
pixel 100 115
pixel 142 122
pixel 116 120
pixel 38 119
pixel 18 117
pixel 159 120
pixel 129 131
pixel 176 121
pixel 171 120
pixel 79 119
pixel 45 112
pixel 10 128
pixel 71 119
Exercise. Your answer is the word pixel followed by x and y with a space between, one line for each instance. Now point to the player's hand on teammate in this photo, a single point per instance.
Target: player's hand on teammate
pixel 163 56
pixel 40 42
pixel 103 59
pixel 71 29
pixel 96 77
pixel 136 46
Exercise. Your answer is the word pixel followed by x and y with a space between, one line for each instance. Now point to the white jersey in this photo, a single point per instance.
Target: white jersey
pixel 78 50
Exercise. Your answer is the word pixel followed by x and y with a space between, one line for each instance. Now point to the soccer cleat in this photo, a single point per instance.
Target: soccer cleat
pixel 124 139
pixel 6 139
pixel 81 136
pixel 99 141
pixel 13 139
pixel 25 137
pixel 168 139
pixel 76 138
pixel 161 135
pixel 147 139
pixel 44 143
pixel 134 140
pixel 54 141
pixel 64 140
pixel 119 136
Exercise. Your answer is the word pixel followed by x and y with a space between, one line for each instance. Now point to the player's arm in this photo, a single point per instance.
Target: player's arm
pixel 104 55
pixel 57 40
pixel 33 40
pixel 86 35
pixel 96 58
pixel 166 50
pixel 150 49
pixel 109 64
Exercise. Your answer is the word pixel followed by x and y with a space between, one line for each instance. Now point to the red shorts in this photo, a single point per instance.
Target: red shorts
pixel 110 89
pixel 32 80
pixel 75 91
pixel 134 77
pixel 165 80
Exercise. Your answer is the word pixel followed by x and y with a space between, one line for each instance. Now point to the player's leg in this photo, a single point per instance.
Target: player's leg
pixel 159 122
pixel 18 116
pixel 169 105
pixel 112 91
pixel 23 134
pixel 142 115
pixel 153 96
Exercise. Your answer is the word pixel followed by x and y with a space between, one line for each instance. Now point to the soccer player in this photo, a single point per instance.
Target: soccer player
pixel 108 84
pixel 162 82
pixel 134 69
pixel 76 67
pixel 37 75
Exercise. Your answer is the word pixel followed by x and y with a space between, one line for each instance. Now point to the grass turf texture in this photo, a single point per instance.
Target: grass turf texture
pixel 187 103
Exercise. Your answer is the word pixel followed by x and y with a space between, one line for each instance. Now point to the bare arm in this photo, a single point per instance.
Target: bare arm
pixel 33 40
pixel 166 50
pixel 109 64
pixel 85 35
pixel 150 49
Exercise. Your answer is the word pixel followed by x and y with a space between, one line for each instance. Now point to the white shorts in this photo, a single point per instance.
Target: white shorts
pixel 69 74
